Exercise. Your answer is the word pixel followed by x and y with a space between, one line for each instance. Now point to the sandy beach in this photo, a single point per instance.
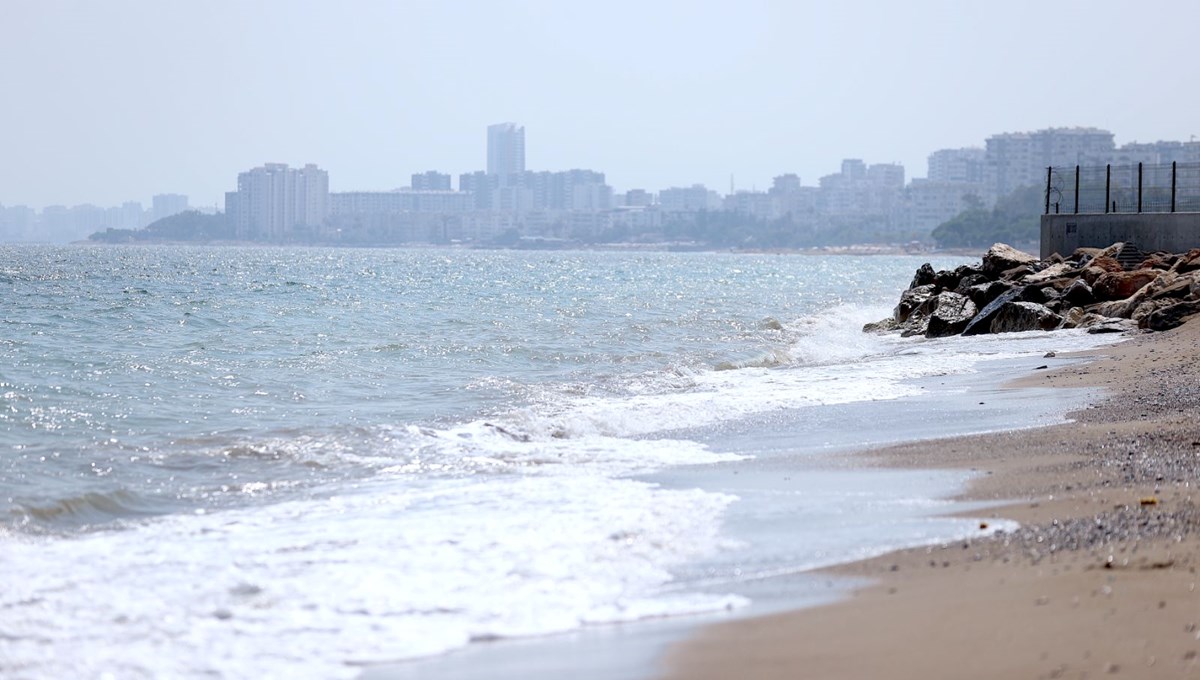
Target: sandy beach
pixel 1099 581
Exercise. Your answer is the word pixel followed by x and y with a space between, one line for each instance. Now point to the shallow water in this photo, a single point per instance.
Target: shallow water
pixel 286 461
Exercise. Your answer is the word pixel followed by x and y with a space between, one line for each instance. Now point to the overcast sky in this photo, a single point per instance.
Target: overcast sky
pixel 110 101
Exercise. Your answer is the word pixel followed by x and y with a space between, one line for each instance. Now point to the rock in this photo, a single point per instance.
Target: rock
pixel 1157 261
pixel 1072 317
pixel 923 277
pixel 1002 257
pixel 1148 307
pixel 1120 285
pixel 1179 288
pixel 1090 319
pixel 1079 294
pixel 1106 263
pixel 1188 262
pixel 1092 274
pixel 982 323
pixel 911 300
pixel 882 326
pixel 1052 272
pixel 1017 317
pixel 1112 326
pixel 951 316
pixel 966 282
pixel 1170 317
pixel 1017 273
pixel 983 294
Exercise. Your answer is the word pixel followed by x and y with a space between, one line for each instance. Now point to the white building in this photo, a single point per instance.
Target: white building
pixel 277 203
pixel 505 150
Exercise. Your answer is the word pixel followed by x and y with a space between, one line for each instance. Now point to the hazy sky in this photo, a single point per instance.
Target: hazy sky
pixel 110 101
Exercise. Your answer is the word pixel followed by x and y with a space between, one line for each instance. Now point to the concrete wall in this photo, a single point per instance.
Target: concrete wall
pixel 1171 232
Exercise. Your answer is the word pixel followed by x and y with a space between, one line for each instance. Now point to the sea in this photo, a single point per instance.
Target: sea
pixel 252 462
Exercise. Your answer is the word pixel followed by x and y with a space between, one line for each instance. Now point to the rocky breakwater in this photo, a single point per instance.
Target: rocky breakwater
pixel 1105 290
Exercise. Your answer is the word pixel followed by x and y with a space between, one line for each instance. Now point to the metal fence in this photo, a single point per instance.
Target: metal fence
pixel 1144 187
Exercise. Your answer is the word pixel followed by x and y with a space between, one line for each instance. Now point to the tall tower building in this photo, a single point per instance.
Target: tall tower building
pixel 506 150
pixel 274 202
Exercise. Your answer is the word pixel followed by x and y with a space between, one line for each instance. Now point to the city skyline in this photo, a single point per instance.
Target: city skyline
pixel 106 104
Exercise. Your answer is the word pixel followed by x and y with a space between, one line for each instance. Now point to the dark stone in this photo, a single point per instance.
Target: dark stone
pixel 1079 294
pixel 1017 273
pixel 911 300
pixel 1180 289
pixel 946 279
pixel 951 316
pixel 923 277
pixel 966 282
pixel 982 323
pixel 1170 317
pixel 1017 317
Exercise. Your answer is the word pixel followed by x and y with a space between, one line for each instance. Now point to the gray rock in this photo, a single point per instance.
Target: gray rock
pixel 882 326
pixel 1002 257
pixel 923 277
pixel 911 300
pixel 1112 326
pixel 1017 317
pixel 982 323
pixel 1079 294
pixel 950 316
pixel 1170 317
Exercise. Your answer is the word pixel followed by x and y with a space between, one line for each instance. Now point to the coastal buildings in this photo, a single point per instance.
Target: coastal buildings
pixel 276 203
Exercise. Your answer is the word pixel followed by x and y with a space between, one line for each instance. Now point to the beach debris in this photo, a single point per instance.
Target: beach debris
pixel 1117 289
pixel 1148 500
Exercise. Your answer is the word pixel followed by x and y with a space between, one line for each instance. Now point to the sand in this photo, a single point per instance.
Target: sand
pixel 1100 581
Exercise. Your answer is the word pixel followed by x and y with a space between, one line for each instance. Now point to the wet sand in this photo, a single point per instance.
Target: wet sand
pixel 1100 581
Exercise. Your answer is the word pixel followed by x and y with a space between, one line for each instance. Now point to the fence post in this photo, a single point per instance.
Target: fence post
pixel 1139 187
pixel 1049 174
pixel 1173 185
pixel 1076 189
pixel 1107 186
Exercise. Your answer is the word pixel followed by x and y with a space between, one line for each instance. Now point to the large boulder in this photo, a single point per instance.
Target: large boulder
pixel 1107 264
pixel 982 323
pixel 911 300
pixel 923 277
pixel 951 315
pixel 1120 285
pixel 1079 294
pixel 1017 317
pixel 1002 257
pixel 1169 317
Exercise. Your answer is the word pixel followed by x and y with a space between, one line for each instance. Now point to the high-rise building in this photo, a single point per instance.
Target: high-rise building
pixel 505 150
pixel 274 202
pixel 1019 159
pixel 957 165
pixel 431 181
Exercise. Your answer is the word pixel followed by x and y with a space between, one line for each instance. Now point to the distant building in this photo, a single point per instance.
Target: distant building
pixel 688 199
pixel 1020 159
pixel 277 203
pixel 431 181
pixel 967 165
pixel 637 198
pixel 165 205
pixel 505 150
pixel 396 202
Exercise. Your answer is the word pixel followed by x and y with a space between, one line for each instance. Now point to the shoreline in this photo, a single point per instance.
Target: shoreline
pixel 1100 579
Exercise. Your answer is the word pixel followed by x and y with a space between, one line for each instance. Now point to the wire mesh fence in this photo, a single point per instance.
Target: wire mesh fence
pixel 1134 188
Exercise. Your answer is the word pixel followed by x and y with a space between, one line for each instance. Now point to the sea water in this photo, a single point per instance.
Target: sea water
pixel 289 462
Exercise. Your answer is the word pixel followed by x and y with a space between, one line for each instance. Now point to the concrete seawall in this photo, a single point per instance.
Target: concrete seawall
pixel 1170 232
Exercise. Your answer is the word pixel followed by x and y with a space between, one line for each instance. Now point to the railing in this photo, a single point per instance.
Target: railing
pixel 1144 187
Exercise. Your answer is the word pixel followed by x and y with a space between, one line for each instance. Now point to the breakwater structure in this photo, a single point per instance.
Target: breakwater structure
pixel 1154 207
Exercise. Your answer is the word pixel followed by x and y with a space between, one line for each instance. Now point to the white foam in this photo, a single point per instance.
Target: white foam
pixel 308 589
